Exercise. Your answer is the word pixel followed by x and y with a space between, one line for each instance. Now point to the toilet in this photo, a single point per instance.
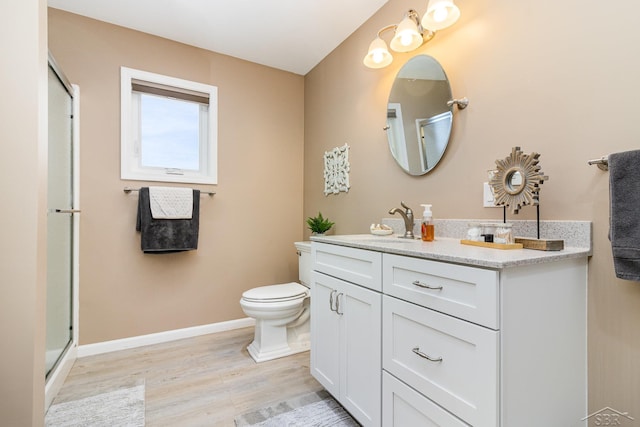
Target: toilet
pixel 281 313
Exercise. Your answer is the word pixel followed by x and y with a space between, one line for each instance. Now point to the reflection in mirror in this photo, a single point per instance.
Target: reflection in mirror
pixel 418 118
pixel 513 181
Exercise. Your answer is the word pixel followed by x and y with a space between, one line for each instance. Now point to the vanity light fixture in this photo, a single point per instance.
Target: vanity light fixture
pixel 411 32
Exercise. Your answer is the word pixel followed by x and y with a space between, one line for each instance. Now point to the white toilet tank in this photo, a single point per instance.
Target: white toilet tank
pixel 304 262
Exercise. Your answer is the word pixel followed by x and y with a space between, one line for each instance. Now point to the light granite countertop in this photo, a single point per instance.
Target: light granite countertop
pixel 451 250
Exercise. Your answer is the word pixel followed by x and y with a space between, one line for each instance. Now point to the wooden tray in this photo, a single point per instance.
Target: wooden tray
pixel 541 244
pixel 492 245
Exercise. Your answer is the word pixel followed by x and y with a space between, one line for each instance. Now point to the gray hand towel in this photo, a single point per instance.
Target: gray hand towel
pixel 167 235
pixel 624 231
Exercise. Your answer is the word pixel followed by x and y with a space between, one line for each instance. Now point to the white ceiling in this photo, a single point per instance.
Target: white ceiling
pixel 291 35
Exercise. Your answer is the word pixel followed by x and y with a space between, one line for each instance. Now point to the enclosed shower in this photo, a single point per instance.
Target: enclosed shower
pixel 62 229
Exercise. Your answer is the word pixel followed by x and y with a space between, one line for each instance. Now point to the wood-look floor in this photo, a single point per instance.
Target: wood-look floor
pixel 202 381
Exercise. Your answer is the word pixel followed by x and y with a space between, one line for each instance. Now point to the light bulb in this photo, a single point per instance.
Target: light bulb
pixel 440 14
pixel 378 56
pixel 407 36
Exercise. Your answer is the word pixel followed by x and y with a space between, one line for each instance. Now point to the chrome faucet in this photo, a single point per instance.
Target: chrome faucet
pixel 407 215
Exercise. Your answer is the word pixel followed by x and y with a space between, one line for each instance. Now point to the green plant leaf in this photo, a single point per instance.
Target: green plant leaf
pixel 319 224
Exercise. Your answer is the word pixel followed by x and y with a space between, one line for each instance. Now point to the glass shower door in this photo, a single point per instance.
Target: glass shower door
pixel 59 222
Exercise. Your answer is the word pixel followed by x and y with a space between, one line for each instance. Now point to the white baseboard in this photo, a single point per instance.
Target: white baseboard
pixel 162 337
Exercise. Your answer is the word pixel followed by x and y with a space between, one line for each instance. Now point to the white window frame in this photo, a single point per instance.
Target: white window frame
pixel 130 152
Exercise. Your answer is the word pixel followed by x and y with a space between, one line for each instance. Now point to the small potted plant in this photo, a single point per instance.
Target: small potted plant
pixel 319 224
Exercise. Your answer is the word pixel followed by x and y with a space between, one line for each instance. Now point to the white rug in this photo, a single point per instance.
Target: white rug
pixel 310 410
pixel 122 408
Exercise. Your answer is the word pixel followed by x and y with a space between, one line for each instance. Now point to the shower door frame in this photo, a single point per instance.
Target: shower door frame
pixel 63 366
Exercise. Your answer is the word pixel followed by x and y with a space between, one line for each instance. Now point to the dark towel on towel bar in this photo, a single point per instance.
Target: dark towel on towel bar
pixel 624 227
pixel 167 235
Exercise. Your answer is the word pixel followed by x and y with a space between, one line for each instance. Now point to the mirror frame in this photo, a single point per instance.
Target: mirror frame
pixel 501 181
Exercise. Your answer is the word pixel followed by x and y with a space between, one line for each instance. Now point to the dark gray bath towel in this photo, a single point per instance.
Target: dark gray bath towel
pixel 624 231
pixel 167 235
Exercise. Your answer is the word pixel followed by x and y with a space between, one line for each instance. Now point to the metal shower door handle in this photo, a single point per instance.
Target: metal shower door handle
pixel 65 211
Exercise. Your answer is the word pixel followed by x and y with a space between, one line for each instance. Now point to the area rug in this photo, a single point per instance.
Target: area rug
pixel 121 407
pixel 310 410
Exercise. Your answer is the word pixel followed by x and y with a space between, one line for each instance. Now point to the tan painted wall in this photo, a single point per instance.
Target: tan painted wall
pixel 246 231
pixel 558 78
pixel 23 168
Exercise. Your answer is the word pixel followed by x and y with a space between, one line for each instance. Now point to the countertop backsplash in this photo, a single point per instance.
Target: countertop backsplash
pixel 574 233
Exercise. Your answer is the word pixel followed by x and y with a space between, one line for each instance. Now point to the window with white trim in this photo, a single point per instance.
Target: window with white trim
pixel 168 128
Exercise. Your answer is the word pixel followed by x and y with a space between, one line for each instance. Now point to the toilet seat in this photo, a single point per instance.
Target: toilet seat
pixel 276 293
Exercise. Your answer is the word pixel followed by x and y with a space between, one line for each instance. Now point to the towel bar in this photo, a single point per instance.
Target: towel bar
pixel 129 190
pixel 602 162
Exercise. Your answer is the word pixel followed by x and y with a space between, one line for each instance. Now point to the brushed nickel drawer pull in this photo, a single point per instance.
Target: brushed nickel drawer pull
pixel 422 285
pixel 338 304
pixel 426 356
pixel 331 301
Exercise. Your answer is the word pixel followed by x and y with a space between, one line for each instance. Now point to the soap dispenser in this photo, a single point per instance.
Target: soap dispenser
pixel 427 229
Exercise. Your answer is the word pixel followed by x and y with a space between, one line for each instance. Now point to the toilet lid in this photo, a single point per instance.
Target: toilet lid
pixel 273 293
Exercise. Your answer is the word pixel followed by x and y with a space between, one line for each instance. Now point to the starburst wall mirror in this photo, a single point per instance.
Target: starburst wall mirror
pixel 516 180
pixel 515 183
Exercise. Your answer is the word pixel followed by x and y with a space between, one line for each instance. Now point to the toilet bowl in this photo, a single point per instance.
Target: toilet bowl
pixel 281 313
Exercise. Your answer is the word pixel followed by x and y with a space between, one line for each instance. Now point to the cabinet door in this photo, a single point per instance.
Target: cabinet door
pixel 360 311
pixel 325 355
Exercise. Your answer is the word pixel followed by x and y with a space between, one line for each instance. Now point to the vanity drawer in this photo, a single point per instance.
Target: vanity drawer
pixel 462 375
pixel 357 266
pixel 402 406
pixel 468 293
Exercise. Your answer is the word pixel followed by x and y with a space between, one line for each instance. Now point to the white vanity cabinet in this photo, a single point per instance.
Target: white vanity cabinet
pixel 457 336
pixel 488 347
pixel 346 328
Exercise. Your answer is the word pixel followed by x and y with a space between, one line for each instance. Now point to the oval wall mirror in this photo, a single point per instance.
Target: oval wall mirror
pixel 418 117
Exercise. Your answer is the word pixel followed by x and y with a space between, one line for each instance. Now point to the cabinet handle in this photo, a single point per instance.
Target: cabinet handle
pixel 422 285
pixel 338 304
pixel 426 356
pixel 331 301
